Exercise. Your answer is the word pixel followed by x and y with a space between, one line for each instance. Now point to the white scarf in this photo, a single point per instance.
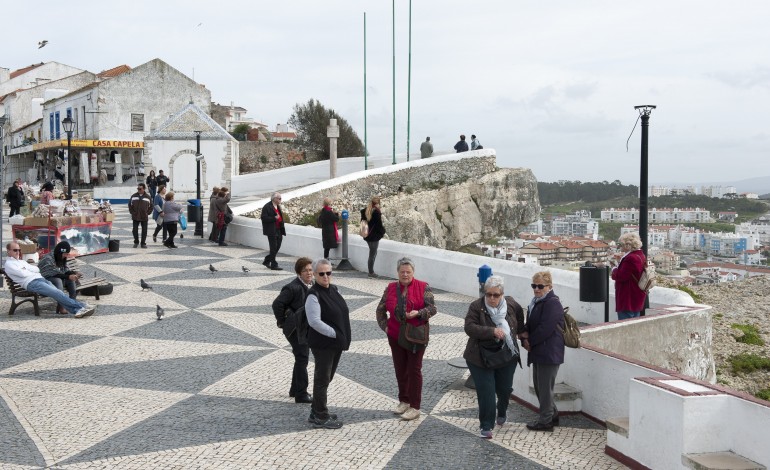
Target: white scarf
pixel 498 314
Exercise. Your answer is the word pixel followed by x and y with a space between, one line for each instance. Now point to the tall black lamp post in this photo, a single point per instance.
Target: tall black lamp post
pixel 69 125
pixel 198 158
pixel 644 113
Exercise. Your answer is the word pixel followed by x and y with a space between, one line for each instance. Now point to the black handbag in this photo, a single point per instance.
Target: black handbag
pixel 496 354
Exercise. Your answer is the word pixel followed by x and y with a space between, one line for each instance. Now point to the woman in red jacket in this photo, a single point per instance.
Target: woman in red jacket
pixel 408 301
pixel 629 298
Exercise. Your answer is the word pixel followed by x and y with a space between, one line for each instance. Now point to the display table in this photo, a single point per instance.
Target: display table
pixel 86 238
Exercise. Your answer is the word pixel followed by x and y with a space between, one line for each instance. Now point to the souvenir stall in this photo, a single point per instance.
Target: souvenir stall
pixel 85 224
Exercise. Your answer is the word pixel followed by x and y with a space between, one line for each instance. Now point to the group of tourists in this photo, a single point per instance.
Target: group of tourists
pixel 315 318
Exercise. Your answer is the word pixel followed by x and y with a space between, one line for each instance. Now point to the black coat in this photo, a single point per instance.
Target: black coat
pixel 545 341
pixel 376 229
pixel 291 298
pixel 328 232
pixel 15 196
pixel 268 221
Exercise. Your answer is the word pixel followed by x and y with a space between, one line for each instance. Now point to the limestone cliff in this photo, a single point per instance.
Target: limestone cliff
pixel 444 202
pixel 464 213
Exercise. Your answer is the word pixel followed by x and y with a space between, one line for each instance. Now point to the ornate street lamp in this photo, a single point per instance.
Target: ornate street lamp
pixel 69 125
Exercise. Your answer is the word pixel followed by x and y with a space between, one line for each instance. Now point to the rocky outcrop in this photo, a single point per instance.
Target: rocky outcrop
pixel 465 213
pixel 444 204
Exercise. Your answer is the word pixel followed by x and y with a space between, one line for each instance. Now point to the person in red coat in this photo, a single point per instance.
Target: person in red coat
pixel 629 298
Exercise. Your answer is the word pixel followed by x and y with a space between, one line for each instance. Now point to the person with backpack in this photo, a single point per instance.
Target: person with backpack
pixel 328 318
pixel 372 215
pixel 629 298
pixel 545 344
pixel 493 322
pixel 289 304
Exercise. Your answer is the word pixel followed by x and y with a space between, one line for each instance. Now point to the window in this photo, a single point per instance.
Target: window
pixel 58 125
pixel 137 122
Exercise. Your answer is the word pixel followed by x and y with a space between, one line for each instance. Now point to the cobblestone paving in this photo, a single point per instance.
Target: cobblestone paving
pixel 207 387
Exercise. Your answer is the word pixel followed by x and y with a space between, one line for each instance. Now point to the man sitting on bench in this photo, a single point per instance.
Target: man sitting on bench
pixel 29 278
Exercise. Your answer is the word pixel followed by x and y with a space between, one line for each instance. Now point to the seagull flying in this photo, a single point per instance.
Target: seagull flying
pixel 245 269
pixel 144 285
pixel 159 312
pixel 212 269
pixel 42 44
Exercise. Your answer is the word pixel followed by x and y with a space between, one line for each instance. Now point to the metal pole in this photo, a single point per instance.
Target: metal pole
pixel 394 81
pixel 69 165
pixel 409 85
pixel 199 221
pixel 366 141
pixel 644 111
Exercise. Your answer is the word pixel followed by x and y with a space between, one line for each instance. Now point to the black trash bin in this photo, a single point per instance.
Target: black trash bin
pixel 194 211
pixel 593 284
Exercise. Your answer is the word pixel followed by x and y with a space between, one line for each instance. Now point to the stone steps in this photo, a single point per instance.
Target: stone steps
pixel 719 461
pixel 567 398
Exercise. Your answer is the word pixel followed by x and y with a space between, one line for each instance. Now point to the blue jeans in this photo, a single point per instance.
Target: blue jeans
pixel 43 287
pixel 68 283
pixel 627 315
pixel 491 383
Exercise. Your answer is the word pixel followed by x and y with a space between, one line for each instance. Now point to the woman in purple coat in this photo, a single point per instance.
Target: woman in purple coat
pixel 545 344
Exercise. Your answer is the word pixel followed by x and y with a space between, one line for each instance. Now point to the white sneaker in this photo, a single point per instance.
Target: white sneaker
pixel 85 311
pixel 401 408
pixel 410 414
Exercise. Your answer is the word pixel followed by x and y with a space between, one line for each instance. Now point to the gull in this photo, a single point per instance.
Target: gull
pixel 144 285
pixel 159 312
pixel 212 269
pixel 245 269
pixel 42 44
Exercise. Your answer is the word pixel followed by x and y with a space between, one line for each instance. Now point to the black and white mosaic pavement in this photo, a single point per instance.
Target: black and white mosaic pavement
pixel 207 387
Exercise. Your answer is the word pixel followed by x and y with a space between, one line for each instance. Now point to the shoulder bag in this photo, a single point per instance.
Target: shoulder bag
pixel 496 354
pixel 410 337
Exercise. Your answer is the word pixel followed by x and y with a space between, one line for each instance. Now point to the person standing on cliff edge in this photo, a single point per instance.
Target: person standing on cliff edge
pixel 426 149
pixel 461 145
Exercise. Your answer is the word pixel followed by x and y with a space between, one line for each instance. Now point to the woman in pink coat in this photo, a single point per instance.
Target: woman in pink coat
pixel 629 298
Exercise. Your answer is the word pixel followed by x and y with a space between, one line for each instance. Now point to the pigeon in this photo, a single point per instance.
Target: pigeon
pixel 245 269
pixel 212 269
pixel 42 44
pixel 144 285
pixel 159 312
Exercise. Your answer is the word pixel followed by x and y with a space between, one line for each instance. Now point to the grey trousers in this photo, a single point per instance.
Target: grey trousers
pixel 544 378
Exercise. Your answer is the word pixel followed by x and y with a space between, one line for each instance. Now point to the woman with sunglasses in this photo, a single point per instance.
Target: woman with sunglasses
pixel 328 318
pixel 407 301
pixel 545 344
pixel 493 319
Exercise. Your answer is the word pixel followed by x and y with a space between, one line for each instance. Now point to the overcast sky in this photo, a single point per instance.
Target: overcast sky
pixel 550 85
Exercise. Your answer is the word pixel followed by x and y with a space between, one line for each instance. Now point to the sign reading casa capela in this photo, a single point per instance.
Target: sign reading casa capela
pixel 120 144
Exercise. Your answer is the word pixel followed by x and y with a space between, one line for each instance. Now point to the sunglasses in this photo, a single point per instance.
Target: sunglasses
pixel 326 273
pixel 494 296
pixel 539 286
pixel 16 250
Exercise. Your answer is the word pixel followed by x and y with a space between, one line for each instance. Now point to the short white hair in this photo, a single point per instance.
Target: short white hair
pixel 321 262
pixel 495 281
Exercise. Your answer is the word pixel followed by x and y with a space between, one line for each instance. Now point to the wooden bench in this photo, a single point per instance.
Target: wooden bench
pixel 17 291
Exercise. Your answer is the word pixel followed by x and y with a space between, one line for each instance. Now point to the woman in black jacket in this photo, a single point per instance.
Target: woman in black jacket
pixel 328 219
pixel 328 319
pixel 15 198
pixel 545 344
pixel 291 298
pixel 373 217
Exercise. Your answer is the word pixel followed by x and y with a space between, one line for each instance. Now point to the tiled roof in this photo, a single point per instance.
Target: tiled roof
pixel 285 135
pixel 114 72
pixel 16 73
pixel 185 123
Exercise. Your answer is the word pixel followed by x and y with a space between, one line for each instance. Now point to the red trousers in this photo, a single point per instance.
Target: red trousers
pixel 408 366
